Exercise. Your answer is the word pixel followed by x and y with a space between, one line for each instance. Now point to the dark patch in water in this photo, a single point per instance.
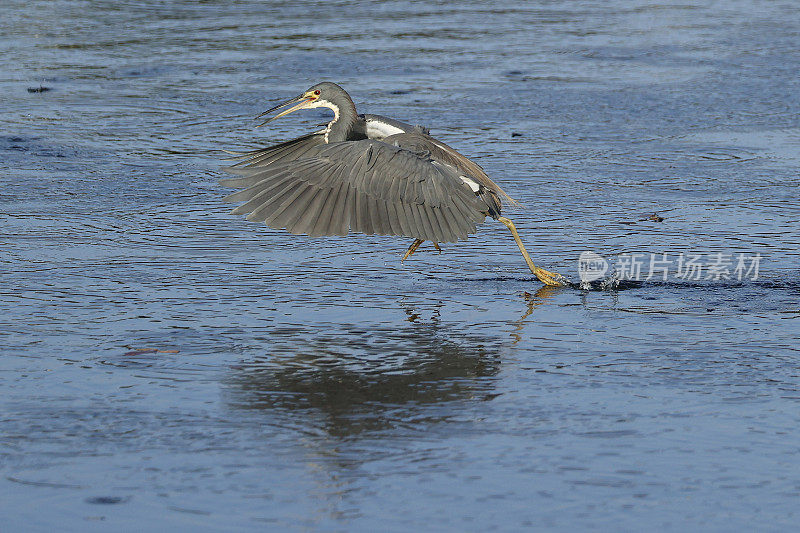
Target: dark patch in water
pixel 106 500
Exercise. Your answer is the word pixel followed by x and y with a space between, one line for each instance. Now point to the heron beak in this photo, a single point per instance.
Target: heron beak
pixel 304 100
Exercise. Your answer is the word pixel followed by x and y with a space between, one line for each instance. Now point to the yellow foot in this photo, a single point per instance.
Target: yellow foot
pixel 436 245
pixel 550 278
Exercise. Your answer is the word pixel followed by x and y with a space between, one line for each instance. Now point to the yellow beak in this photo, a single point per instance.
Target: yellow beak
pixel 305 100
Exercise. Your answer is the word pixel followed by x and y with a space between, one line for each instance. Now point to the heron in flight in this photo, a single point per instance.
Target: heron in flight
pixel 367 174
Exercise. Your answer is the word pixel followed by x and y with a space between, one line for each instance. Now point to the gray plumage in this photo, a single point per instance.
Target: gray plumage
pixel 366 174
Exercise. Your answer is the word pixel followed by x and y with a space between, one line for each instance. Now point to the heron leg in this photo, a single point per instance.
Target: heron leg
pixel 545 276
pixel 436 245
pixel 412 249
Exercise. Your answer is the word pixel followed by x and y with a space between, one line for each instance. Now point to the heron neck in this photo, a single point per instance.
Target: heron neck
pixel 343 127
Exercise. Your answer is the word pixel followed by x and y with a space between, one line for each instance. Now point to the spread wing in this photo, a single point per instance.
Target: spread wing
pixel 364 186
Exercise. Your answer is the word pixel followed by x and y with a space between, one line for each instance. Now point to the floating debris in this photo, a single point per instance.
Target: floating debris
pixel 653 217
pixel 39 89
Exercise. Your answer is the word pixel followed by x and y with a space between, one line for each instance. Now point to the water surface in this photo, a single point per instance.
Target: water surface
pixel 166 364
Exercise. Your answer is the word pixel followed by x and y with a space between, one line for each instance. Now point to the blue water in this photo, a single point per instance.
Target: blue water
pixel 166 365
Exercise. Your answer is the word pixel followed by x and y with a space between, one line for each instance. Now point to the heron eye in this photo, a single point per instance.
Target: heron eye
pixel 316 92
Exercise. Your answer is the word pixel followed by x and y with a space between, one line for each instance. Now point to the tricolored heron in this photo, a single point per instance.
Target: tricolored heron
pixel 367 174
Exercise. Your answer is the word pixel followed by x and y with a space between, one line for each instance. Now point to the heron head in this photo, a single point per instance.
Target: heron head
pixel 324 94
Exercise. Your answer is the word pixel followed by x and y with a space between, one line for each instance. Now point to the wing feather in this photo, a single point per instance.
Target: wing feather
pixel 322 225
pixel 381 216
pixel 340 220
pixel 283 152
pixel 422 220
pixel 268 207
pixel 252 191
pixel 366 186
pixel 283 213
pixel 394 221
pixel 421 142
pixel 431 213
pixel 262 197
pixel 309 216
pixel 444 229
pixel 362 214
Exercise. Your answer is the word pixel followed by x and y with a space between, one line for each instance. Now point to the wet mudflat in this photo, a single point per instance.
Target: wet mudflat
pixel 165 364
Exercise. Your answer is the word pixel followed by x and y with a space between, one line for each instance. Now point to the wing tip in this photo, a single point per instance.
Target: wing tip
pixel 511 202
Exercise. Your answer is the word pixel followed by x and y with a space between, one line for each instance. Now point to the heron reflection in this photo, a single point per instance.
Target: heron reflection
pixel 361 379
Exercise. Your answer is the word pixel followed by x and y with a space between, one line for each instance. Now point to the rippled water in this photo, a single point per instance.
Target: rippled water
pixel 165 364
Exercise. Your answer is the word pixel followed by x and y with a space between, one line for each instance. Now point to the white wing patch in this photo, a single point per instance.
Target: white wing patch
pixel 379 130
pixel 474 185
